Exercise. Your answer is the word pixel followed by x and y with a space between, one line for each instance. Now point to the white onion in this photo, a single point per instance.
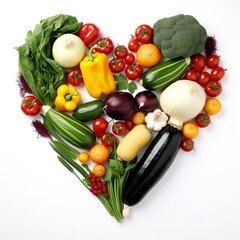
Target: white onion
pixel 182 101
pixel 68 50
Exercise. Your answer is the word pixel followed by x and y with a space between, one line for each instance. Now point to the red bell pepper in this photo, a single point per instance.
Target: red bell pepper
pixel 89 33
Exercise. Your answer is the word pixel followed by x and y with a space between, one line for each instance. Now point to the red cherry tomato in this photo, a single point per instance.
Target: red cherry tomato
pixel 187 145
pixel 100 126
pixel 121 51
pixel 116 65
pixel 217 73
pixel 212 60
pixel 129 59
pixel 204 78
pixel 191 75
pixel 213 88
pixel 198 62
pixel 202 120
pixel 119 128
pixel 74 76
pixel 108 139
pixel 105 45
pixel 30 105
pixel 144 33
pixel 133 44
pixel 133 71
pixel 129 124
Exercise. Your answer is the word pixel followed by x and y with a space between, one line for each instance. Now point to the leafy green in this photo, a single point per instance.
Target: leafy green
pixel 132 87
pixel 69 154
pixel 124 84
pixel 41 72
pixel 116 175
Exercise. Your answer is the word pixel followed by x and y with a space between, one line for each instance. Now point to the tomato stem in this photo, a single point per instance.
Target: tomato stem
pixel 29 104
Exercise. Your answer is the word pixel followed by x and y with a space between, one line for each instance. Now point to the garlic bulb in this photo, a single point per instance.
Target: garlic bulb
pixel 182 101
pixel 68 50
pixel 156 120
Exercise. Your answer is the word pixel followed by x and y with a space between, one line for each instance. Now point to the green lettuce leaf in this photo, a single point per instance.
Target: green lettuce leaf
pixel 41 72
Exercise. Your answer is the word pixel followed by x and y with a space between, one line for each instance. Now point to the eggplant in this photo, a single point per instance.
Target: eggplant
pixel 153 164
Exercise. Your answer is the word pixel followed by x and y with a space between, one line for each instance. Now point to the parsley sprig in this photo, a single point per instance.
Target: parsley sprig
pixel 124 84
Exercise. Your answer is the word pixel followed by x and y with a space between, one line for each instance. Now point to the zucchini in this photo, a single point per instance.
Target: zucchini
pixel 153 164
pixel 70 129
pixel 164 73
pixel 89 110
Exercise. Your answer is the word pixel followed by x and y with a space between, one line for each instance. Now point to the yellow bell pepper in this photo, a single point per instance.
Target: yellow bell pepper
pixel 97 76
pixel 67 99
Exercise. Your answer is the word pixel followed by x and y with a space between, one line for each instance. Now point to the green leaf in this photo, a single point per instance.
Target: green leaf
pixel 122 82
pixel 64 150
pixel 115 168
pixel 69 154
pixel 41 72
pixel 65 164
pixel 132 86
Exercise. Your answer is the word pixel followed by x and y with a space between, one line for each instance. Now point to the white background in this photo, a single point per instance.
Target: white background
pixel 198 198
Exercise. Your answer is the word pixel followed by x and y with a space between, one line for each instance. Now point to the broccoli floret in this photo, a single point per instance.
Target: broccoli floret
pixel 179 36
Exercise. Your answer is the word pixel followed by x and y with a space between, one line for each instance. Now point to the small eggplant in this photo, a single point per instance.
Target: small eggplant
pixel 120 105
pixel 154 163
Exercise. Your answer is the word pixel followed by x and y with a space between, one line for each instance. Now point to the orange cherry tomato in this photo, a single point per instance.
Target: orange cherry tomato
pixel 99 153
pixel 99 170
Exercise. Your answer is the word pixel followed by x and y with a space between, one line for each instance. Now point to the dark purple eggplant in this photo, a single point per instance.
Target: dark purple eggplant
pixel 146 101
pixel 120 105
pixel 151 167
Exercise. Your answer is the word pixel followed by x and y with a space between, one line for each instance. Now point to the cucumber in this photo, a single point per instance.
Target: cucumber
pixel 164 73
pixel 70 129
pixel 89 110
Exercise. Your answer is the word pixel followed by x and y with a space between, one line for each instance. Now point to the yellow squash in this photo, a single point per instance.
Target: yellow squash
pixel 133 142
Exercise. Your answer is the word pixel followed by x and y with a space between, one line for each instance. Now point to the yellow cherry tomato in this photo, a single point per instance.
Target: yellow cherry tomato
pixel 83 157
pixel 212 106
pixel 138 117
pixel 190 130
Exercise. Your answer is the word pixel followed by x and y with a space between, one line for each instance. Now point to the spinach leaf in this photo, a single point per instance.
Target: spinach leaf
pixel 41 72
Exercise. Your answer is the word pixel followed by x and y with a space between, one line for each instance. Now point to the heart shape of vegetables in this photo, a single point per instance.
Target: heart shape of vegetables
pixel 179 75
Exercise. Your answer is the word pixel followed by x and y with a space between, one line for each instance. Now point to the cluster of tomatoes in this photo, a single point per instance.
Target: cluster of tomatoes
pixel 98 186
pixel 123 58
pixel 107 134
pixel 208 73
